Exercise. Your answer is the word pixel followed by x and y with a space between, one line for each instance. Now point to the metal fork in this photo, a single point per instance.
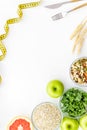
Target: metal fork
pixel 54 6
pixel 63 14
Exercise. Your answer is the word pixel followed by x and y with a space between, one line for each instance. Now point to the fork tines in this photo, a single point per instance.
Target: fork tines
pixel 57 16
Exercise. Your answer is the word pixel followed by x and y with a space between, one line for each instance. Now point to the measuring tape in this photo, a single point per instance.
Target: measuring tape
pixel 13 21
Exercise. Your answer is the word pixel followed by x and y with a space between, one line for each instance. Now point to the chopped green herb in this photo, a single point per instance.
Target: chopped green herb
pixel 74 102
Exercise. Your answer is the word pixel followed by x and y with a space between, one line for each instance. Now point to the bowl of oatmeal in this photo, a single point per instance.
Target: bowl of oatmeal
pixel 78 71
pixel 46 116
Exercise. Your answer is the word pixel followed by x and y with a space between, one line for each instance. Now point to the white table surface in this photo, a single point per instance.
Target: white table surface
pixel 38 50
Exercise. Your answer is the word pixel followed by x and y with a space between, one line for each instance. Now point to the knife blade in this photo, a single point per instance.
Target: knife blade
pixel 57 5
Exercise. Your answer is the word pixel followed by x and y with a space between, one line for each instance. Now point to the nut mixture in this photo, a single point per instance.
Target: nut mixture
pixel 46 117
pixel 79 71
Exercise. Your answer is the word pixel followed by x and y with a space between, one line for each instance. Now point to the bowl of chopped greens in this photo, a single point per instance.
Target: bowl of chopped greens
pixel 74 103
pixel 78 71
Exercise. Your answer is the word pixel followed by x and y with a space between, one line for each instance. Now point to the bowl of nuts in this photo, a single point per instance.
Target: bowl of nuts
pixel 78 71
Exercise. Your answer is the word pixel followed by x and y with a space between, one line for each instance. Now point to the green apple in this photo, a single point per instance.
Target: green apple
pixel 69 124
pixel 83 122
pixel 55 88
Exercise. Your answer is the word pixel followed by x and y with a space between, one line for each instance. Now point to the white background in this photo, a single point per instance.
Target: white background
pixel 38 50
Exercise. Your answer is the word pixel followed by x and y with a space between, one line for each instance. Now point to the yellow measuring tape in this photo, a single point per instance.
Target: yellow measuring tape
pixel 12 21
